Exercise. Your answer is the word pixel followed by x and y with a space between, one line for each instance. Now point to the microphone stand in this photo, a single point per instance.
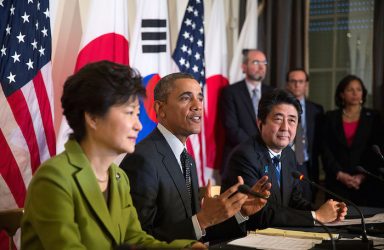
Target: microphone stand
pixel 364 171
pixel 367 243
pixel 247 190
pixel 377 150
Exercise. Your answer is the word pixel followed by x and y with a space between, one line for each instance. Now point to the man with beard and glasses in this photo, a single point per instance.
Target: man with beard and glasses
pixel 239 101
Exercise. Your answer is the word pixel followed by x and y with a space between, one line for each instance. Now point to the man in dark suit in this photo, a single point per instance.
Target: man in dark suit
pixel 307 143
pixel 239 101
pixel 164 185
pixel 269 153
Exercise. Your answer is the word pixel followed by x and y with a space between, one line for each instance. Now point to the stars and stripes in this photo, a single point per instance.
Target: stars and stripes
pixel 189 52
pixel 27 135
pixel 189 57
pixel 24 43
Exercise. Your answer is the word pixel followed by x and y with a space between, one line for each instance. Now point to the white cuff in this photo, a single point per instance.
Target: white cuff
pixel 199 232
pixel 314 217
pixel 241 218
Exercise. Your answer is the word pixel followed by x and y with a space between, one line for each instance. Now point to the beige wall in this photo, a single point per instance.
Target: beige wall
pixel 69 19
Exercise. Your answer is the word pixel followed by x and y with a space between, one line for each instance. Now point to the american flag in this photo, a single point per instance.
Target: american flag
pixel 189 57
pixel 27 135
pixel 189 51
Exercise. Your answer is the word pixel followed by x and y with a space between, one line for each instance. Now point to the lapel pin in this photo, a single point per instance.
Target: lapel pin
pixel 117 176
pixel 266 169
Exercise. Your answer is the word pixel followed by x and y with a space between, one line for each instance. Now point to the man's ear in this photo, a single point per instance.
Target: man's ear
pixel 259 124
pixel 158 107
pixel 90 120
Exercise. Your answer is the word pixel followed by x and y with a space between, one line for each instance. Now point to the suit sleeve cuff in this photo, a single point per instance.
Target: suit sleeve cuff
pixel 199 232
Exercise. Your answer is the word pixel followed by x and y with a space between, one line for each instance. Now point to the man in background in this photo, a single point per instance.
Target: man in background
pixel 307 144
pixel 239 101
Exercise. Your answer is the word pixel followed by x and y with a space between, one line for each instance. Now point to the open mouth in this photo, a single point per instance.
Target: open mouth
pixel 195 118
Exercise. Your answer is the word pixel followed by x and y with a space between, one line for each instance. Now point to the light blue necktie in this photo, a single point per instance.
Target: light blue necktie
pixel 276 164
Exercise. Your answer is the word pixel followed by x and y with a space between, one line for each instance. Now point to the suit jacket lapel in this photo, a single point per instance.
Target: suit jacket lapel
pixel 361 130
pixel 247 100
pixel 170 163
pixel 309 120
pixel 286 179
pixel 195 189
pixel 114 199
pixel 340 129
pixel 88 185
pixel 268 168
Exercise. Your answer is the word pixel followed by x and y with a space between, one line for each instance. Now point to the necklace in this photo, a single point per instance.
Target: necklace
pixel 102 181
pixel 353 115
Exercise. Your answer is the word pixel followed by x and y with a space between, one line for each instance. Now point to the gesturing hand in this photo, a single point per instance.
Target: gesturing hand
pixel 218 209
pixel 253 204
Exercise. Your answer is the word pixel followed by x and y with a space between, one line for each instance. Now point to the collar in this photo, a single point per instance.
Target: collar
pixel 302 100
pixel 176 145
pixel 251 86
pixel 76 154
pixel 273 154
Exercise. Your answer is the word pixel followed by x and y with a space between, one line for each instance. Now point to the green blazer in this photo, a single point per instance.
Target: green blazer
pixel 65 208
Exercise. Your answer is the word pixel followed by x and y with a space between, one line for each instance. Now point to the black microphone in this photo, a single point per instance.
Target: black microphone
pixel 364 171
pixel 301 177
pixel 245 189
pixel 377 150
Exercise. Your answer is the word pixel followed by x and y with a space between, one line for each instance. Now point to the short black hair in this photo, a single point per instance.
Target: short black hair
pixel 94 89
pixel 164 86
pixel 297 69
pixel 343 84
pixel 274 98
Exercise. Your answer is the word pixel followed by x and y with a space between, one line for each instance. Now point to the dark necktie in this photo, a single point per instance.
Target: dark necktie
pixel 276 164
pixel 186 163
pixel 300 144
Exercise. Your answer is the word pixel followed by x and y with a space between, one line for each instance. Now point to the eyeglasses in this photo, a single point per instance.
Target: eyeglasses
pixel 257 62
pixel 297 81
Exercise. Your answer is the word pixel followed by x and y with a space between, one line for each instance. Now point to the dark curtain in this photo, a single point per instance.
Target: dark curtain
pixel 378 57
pixel 281 36
pixel 281 32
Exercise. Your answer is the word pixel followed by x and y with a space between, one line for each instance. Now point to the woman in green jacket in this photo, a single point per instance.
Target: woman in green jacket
pixel 80 199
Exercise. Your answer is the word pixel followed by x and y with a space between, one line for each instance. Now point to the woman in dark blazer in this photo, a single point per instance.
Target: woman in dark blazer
pixel 349 134
pixel 80 199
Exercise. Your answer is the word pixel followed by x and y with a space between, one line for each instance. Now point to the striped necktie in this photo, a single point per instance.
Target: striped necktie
pixel 255 100
pixel 276 164
pixel 186 164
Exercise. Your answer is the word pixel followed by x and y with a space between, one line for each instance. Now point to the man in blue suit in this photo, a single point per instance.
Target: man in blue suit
pixel 269 154
pixel 164 185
